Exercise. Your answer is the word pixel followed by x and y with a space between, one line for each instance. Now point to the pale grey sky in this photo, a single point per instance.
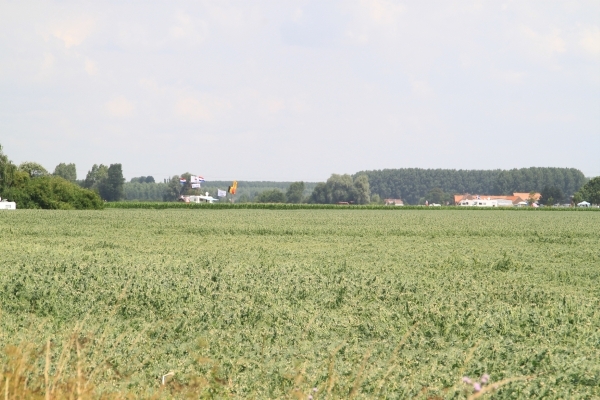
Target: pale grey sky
pixel 271 90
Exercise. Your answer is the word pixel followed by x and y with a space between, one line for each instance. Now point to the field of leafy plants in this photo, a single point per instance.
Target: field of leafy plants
pixel 307 304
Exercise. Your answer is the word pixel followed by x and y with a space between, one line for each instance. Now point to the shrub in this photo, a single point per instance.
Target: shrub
pixel 52 192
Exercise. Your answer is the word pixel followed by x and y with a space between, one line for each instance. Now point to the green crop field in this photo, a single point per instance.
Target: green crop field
pixel 251 303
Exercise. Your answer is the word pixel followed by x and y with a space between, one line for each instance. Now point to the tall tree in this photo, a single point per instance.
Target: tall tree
pixel 590 192
pixel 111 187
pixel 321 194
pixel 94 176
pixel 295 192
pixel 342 188
pixel 361 189
pixel 551 195
pixel 436 195
pixel 33 169
pixel 66 171
pixel 173 190
pixel 7 171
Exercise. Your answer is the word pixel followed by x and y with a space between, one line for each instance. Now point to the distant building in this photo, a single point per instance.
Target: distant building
pixel 525 196
pixel 198 199
pixel 393 202
pixel 493 201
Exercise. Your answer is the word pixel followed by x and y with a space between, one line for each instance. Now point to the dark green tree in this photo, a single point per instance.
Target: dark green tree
pixel 361 189
pixel 551 195
pixel 295 192
pixel 173 190
pixel 66 171
pixel 321 194
pixel 590 192
pixel 111 187
pixel 342 188
pixel 436 195
pixel 271 196
pixel 95 176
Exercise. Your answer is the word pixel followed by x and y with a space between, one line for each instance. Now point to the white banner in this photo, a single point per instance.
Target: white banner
pixel 195 185
pixel 194 179
pixel 221 193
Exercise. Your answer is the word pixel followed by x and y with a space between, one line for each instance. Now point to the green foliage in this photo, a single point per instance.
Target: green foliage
pixel 320 194
pixel 95 176
pixel 271 196
pixel 51 192
pixel 30 186
pixel 551 195
pixel 33 169
pixel 111 187
pixel 375 199
pixel 173 189
pixel 7 171
pixel 66 171
pixel 438 196
pixel 170 190
pixel 144 191
pixel 590 192
pixel 107 181
pixel 295 192
pixel 270 304
pixel 342 188
pixel 412 184
pixel 361 187
pixel 143 179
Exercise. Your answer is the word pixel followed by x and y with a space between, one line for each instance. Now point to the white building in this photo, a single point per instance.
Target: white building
pixel 198 199
pixel 486 202
pixel 7 205
pixel 479 203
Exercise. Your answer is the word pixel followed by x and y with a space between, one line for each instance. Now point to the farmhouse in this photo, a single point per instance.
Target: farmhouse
pixel 393 202
pixel 493 201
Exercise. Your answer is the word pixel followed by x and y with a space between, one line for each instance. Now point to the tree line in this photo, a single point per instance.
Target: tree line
pixel 32 186
pixel 414 184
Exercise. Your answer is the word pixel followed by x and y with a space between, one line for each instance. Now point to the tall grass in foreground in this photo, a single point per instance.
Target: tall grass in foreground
pixel 258 303
pixel 76 369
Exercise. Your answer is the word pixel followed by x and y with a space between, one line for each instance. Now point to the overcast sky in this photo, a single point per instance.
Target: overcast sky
pixel 297 90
